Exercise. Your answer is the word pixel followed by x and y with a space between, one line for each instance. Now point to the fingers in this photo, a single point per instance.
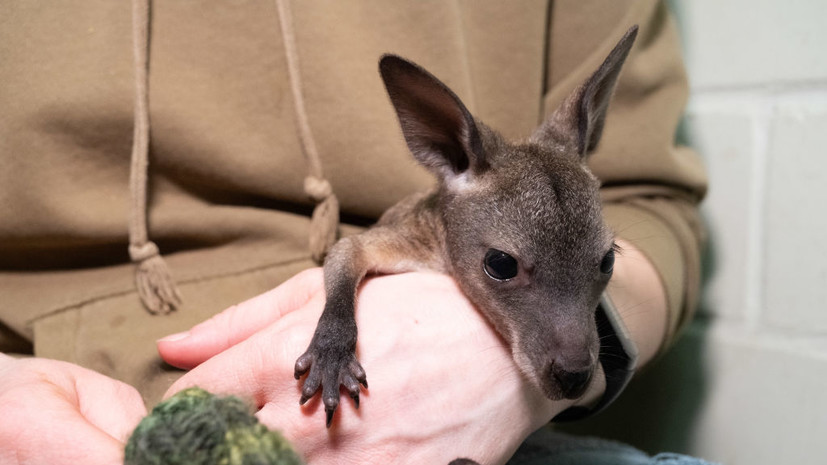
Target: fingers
pixel 262 364
pixel 314 378
pixel 302 365
pixel 328 374
pixel 352 387
pixel 112 406
pixel 237 323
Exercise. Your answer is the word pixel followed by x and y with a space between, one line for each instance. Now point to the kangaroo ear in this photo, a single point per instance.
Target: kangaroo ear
pixel 579 120
pixel 439 130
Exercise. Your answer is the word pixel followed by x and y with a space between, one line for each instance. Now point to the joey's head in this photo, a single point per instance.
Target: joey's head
pixel 524 230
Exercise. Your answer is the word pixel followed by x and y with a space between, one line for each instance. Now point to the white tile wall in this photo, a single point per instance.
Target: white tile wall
pixel 726 139
pixel 753 42
pixel 758 116
pixel 765 401
pixel 796 266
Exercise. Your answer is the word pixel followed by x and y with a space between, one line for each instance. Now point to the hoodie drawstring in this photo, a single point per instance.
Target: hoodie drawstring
pixel 155 285
pixel 153 280
pixel 325 220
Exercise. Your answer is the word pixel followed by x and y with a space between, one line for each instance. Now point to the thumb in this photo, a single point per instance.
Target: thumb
pixel 58 413
pixel 70 438
pixel 112 406
pixel 237 323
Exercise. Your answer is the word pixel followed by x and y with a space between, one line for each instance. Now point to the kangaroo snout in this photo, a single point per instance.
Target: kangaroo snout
pixel 570 382
pixel 565 365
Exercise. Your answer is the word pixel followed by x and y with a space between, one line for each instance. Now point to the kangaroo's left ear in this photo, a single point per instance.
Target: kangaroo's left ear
pixel 440 132
pixel 578 121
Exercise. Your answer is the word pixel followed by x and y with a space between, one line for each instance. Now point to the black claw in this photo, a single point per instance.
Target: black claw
pixel 355 399
pixel 329 413
pixel 303 399
pixel 364 383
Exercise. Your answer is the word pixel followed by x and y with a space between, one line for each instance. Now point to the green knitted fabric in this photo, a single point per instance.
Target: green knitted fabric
pixel 195 427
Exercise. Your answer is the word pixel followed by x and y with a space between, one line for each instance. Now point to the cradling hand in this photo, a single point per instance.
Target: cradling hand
pixel 57 413
pixel 442 383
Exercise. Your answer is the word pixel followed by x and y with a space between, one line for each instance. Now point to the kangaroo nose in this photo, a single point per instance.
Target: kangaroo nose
pixel 572 383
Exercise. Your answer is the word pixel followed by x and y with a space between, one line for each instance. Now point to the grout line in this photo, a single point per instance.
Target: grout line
pixel 761 106
pixel 762 123
pixel 777 339
pixel 815 85
pixel 744 101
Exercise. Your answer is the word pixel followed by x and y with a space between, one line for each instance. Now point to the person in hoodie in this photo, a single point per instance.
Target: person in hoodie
pixel 161 163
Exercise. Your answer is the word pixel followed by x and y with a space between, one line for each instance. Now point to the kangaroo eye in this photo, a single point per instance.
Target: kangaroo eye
pixel 499 265
pixel 608 263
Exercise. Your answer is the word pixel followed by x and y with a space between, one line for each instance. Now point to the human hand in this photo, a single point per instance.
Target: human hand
pixel 58 413
pixel 442 383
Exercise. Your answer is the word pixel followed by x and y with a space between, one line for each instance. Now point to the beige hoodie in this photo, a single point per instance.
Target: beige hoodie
pixel 227 206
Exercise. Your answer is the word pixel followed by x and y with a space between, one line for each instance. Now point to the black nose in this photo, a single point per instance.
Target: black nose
pixel 572 383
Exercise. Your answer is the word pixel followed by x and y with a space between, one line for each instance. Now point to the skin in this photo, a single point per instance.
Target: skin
pixel 407 324
pixel 638 294
pixel 417 396
pixel 58 413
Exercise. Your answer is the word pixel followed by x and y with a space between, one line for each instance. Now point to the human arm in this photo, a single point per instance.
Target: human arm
pixel 421 343
pixel 442 382
pixel 640 299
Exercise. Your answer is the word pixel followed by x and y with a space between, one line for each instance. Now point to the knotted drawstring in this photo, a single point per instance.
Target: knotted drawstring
pixel 154 283
pixel 325 219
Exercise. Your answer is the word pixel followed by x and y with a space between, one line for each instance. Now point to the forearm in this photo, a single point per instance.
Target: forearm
pixel 638 294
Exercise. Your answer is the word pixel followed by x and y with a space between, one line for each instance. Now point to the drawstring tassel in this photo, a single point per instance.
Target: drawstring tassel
pixel 153 280
pixel 325 219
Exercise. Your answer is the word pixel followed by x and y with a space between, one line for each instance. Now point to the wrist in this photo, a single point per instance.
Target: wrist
pixel 638 296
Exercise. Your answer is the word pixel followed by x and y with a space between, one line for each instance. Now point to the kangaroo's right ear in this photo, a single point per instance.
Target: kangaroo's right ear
pixel 439 130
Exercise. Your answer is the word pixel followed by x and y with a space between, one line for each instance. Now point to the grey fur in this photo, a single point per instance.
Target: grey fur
pixel 535 200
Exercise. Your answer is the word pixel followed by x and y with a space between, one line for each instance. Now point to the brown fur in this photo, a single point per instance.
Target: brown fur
pixel 535 200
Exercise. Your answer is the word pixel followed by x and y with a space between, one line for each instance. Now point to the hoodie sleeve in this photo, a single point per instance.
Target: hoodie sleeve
pixel 651 185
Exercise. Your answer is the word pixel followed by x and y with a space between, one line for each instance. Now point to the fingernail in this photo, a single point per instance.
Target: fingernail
pixel 174 337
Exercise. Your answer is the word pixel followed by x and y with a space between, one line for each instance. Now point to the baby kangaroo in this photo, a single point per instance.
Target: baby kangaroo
pixel 518 226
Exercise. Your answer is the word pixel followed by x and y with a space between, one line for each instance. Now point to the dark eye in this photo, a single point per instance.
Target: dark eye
pixel 499 265
pixel 608 263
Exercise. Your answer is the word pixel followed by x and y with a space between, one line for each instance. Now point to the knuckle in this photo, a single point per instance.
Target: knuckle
pixel 308 389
